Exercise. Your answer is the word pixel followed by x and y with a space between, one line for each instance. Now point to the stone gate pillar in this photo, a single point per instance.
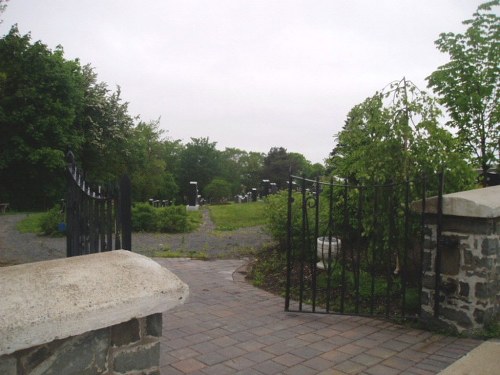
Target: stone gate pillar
pixel 469 293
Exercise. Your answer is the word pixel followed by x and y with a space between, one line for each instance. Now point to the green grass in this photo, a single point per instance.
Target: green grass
pixel 167 253
pixel 234 216
pixel 195 219
pixel 31 223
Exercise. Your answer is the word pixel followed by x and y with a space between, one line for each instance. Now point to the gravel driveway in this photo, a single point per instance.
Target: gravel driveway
pixel 16 248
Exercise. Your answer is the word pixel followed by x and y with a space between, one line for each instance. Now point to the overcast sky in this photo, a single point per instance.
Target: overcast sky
pixel 251 74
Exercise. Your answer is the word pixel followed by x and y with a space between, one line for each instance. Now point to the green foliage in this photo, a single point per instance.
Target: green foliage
pixel 235 216
pixel 151 176
pixel 395 135
pixel 47 104
pixel 50 220
pixel 276 214
pixel 40 97
pixel 468 85
pixel 267 271
pixel 199 161
pixel 172 219
pixel 31 223
pixel 167 253
pixel 45 223
pixel 217 191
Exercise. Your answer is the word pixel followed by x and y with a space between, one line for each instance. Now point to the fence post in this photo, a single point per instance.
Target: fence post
pixel 126 212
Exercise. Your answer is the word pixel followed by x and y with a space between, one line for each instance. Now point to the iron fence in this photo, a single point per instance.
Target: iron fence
pixel 97 219
pixel 357 249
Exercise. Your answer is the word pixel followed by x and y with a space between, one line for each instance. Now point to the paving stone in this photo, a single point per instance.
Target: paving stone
pixel 188 365
pixel 257 337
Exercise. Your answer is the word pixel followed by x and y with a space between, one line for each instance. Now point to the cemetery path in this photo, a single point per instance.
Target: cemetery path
pixel 16 248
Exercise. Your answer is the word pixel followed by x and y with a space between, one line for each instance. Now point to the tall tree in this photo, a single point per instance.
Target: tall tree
pixel 468 85
pixel 151 176
pixel 199 161
pixel 40 96
pixel 395 135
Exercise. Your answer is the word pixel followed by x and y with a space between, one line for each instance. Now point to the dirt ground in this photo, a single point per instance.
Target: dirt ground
pixel 16 248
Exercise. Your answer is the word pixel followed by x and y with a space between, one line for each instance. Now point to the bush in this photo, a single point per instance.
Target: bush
pixel 143 218
pixel 172 219
pixel 50 220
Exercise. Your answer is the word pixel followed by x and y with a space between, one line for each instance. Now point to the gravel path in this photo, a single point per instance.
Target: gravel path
pixel 18 247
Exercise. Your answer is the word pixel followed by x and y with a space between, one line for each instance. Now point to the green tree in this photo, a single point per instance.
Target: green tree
pixel 40 96
pixel 468 85
pixel 395 135
pixel 231 168
pixel 217 191
pixel 106 128
pixel 198 161
pixel 251 170
pixel 278 163
pixel 151 177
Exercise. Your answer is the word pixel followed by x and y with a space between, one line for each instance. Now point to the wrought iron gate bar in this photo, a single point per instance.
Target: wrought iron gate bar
pixel 350 247
pixel 92 215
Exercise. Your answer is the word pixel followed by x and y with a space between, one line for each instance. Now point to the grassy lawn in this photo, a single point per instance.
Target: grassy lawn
pixel 31 223
pixel 234 216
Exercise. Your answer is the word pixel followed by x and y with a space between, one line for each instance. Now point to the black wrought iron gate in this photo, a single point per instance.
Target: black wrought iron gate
pixel 96 220
pixel 355 249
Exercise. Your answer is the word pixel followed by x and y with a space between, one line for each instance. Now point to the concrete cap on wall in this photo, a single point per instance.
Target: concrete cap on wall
pixel 45 301
pixel 480 203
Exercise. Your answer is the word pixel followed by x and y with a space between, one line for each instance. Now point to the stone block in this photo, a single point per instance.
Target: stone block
pixel 489 246
pixel 154 325
pixel 429 281
pixel 138 358
pixel 484 290
pixel 450 256
pixel 457 316
pixel 425 298
pixel 464 289
pixel 468 259
pixel 8 365
pixel 84 354
pixel 125 333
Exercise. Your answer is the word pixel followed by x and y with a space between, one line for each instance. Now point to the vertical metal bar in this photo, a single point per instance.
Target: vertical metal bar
pixel 289 243
pixel 315 246
pixel 357 266
pixel 404 264
pixel 109 223
pixel 422 243
pixel 375 237
pixel 126 212
pixel 343 246
pixel 117 221
pixel 439 241
pixel 390 250
pixel 303 242
pixel 330 235
pixel 102 225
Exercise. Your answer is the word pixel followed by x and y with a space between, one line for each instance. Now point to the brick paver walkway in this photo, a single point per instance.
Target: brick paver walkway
pixel 229 327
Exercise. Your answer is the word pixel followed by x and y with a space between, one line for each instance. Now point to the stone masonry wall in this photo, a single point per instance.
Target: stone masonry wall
pixel 129 348
pixel 470 269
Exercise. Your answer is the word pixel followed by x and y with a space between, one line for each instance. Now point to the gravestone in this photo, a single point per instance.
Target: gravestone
pixel 193 204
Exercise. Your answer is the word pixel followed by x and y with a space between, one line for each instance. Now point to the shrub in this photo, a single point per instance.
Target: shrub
pixel 49 221
pixel 172 219
pixel 143 217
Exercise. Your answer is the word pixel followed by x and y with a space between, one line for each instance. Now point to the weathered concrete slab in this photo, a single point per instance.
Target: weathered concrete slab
pixel 55 299
pixel 478 203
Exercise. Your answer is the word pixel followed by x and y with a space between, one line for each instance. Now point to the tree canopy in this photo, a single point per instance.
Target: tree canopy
pixel 395 135
pixel 468 85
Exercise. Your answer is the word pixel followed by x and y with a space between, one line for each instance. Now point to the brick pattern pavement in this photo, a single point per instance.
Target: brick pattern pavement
pixel 229 327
